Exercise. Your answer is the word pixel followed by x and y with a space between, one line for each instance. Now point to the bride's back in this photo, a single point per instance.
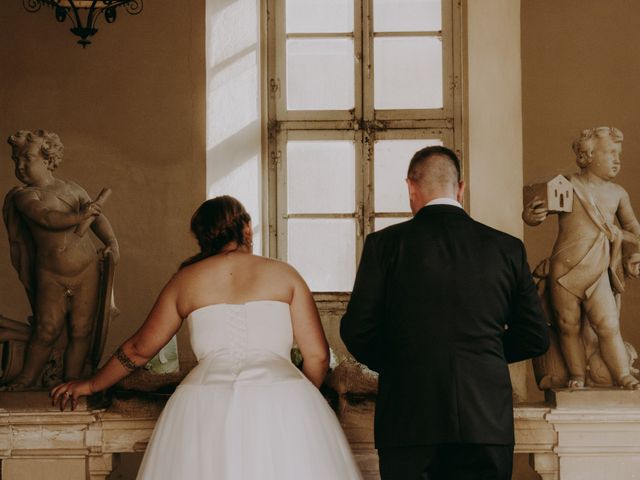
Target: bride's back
pixel 233 278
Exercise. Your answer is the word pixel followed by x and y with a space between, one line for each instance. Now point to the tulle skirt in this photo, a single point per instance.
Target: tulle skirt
pixel 245 431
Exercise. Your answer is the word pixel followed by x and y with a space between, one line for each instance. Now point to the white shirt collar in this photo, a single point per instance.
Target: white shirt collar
pixel 444 201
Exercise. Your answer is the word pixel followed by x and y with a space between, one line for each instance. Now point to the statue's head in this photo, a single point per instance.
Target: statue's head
pixel 596 143
pixel 43 143
pixel 217 223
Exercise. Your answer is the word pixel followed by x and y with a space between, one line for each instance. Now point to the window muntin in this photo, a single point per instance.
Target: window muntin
pixel 349 104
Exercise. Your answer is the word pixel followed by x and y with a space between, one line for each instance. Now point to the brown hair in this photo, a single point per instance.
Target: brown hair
pixel 421 156
pixel 216 223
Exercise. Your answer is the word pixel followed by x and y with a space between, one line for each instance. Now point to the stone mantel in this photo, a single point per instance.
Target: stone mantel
pixel 566 441
pixel 82 444
pixel 38 440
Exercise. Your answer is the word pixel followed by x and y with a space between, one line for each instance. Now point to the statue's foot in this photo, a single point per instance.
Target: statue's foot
pixel 18 385
pixel 14 387
pixel 629 382
pixel 576 381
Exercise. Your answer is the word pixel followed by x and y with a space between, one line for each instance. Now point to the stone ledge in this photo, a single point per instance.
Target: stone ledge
pixel 593 398
pixel 39 401
pixel 534 434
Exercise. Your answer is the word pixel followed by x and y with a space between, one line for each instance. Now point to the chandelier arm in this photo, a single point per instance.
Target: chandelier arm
pixel 74 8
pixel 117 3
pixel 133 7
pixel 91 15
pixel 31 5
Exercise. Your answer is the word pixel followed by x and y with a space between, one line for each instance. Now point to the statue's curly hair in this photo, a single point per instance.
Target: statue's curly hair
pixel 216 223
pixel 583 146
pixel 51 147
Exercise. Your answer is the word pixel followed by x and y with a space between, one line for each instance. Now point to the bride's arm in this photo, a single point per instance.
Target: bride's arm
pixel 159 327
pixel 308 333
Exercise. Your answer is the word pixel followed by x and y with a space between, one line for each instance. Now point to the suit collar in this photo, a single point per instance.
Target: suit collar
pixel 438 209
pixel 444 201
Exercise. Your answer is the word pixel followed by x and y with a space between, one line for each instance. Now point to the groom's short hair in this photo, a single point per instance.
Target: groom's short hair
pixel 444 169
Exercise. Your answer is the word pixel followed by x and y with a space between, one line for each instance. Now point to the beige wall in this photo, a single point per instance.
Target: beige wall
pixel 494 117
pixel 580 68
pixel 130 109
pixel 494 123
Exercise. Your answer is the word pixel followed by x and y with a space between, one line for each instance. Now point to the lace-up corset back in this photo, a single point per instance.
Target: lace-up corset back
pixel 241 342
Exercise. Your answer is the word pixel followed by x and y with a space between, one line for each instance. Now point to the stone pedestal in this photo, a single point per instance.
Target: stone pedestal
pixel 536 437
pixel 38 441
pixel 598 433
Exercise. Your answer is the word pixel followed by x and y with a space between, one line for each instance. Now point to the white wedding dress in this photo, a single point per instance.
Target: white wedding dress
pixel 245 412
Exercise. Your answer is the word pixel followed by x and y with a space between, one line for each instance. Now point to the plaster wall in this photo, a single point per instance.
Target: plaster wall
pixel 494 123
pixel 580 69
pixel 130 111
pixel 494 116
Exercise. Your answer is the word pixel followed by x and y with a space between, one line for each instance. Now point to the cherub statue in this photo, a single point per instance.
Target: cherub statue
pixel 56 261
pixel 590 257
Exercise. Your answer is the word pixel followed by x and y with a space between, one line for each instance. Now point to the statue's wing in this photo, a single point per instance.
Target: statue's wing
pixel 21 244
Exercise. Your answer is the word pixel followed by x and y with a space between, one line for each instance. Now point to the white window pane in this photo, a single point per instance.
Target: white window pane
pixel 407 15
pixel 321 176
pixel 381 223
pixel 320 74
pixel 391 161
pixel 319 16
pixel 324 252
pixel 408 72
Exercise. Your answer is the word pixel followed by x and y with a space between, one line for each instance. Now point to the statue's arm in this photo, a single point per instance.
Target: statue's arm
pixel 37 211
pixel 104 231
pixel 535 212
pixel 627 218
pixel 630 235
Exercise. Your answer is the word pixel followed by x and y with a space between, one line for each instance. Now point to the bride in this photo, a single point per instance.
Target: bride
pixel 245 412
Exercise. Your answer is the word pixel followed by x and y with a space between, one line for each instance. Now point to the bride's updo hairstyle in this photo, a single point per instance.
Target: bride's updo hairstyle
pixel 216 223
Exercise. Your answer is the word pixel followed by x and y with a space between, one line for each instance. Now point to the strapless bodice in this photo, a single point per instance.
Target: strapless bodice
pixel 241 343
pixel 245 412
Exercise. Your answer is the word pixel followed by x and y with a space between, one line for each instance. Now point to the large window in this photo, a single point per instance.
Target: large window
pixel 355 88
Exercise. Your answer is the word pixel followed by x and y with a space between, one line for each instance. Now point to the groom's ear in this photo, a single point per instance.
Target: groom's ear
pixel 411 188
pixel 460 193
pixel 414 194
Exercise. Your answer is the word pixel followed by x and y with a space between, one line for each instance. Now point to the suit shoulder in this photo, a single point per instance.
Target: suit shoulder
pixel 505 239
pixel 383 244
pixel 392 230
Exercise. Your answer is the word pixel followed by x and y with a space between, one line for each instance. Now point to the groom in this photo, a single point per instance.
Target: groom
pixel 440 305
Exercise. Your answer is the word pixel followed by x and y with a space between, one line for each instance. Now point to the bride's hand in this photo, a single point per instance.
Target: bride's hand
pixel 70 391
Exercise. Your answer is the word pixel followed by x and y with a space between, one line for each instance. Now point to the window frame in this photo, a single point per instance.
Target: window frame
pixel 363 123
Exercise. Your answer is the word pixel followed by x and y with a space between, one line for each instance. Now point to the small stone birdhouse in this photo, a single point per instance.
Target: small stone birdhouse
pixel 557 194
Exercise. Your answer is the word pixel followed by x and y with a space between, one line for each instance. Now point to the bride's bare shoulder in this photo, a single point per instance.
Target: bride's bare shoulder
pixel 281 269
pixel 277 266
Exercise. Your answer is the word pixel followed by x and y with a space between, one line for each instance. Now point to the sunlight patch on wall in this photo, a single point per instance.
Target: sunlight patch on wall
pixel 233 105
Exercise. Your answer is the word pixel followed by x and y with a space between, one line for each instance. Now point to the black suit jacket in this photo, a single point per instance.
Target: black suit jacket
pixel 440 305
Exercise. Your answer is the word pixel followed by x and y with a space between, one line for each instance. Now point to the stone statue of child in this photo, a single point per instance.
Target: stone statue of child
pixel 585 268
pixel 57 264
